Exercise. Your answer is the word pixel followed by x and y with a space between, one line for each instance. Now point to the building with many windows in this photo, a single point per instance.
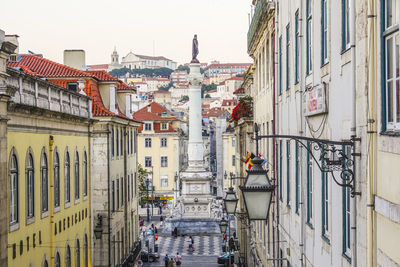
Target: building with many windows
pixel 114 209
pixel 46 158
pixel 160 148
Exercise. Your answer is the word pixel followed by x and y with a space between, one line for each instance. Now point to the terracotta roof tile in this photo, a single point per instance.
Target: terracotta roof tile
pixel 98 66
pixel 102 75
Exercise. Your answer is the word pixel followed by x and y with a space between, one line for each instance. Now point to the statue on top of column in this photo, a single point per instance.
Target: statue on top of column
pixel 195 50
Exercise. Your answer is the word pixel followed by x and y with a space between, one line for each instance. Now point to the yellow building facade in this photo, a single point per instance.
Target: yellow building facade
pixel 48 149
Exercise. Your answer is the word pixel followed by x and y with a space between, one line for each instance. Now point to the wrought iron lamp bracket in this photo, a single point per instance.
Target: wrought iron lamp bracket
pixel 333 156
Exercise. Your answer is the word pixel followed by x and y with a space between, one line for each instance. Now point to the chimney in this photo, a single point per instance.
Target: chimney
pixel 149 108
pixel 75 58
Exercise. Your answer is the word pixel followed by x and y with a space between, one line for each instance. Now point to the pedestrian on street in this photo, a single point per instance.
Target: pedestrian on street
pixel 176 232
pixel 166 260
pixel 171 262
pixel 178 259
pixel 139 264
pixel 161 218
pixel 155 230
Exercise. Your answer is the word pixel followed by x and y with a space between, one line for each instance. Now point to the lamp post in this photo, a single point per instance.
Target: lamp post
pixel 147 202
pixel 230 204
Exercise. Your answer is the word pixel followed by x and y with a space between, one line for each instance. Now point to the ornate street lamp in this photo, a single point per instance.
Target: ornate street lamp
pixel 230 201
pixel 223 224
pixel 257 191
pixel 98 229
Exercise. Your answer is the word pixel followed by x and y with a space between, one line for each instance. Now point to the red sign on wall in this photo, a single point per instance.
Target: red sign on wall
pixel 314 101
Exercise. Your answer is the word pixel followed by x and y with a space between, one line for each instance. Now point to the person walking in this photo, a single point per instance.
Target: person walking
pixel 171 262
pixel 178 259
pixel 166 260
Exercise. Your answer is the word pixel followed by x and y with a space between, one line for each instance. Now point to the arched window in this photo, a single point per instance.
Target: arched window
pixel 86 251
pixel 14 191
pixel 77 254
pixel 56 176
pixel 45 263
pixel 76 168
pixel 44 179
pixel 57 260
pixel 68 257
pixel 85 174
pixel 30 187
pixel 67 178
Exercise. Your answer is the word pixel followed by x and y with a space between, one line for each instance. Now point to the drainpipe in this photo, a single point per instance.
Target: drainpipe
pixel 109 195
pixel 125 192
pixel 50 202
pixel 274 125
pixel 353 128
pixel 301 132
pixel 371 131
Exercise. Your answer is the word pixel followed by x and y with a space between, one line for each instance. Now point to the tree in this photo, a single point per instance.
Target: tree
pixel 120 72
pixel 142 176
pixel 166 88
pixel 185 98
pixel 207 96
pixel 184 68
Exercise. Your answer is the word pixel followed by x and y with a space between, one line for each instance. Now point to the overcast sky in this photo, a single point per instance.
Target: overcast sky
pixel 50 26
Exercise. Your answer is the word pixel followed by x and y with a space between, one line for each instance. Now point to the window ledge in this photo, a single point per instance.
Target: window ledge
pixel 30 220
pixel 77 201
pixel 310 225
pixel 391 133
pixel 325 69
pixel 45 214
pixel 85 197
pixel 14 227
pixel 326 239
pixel 57 209
pixel 345 57
pixel 347 257
pixel 67 205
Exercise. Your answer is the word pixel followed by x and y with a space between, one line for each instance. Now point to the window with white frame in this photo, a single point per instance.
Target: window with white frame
pixel 147 126
pixel 67 178
pixel 147 142
pixel 163 142
pixel 345 24
pixel 164 161
pixel 30 187
pixel 309 37
pixel 14 192
pixel 76 172
pixel 164 181
pixel 324 31
pixel 233 142
pixel 56 178
pixel 233 160
pixel 391 66
pixel 164 126
pixel 44 177
pixel 85 174
pixel 147 162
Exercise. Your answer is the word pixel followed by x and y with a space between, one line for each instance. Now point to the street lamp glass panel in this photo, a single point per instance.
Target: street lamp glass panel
pixel 230 202
pixel 97 232
pixel 223 224
pixel 257 179
pixel 257 202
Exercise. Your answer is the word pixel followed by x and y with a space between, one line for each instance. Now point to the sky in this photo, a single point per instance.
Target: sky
pixel 145 27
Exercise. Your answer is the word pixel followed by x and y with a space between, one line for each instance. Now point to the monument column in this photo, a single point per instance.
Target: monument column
pixel 195 146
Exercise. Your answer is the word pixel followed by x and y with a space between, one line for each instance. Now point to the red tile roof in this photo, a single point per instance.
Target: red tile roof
pixel 155 113
pixel 228 65
pixel 214 112
pixel 124 87
pixel 229 102
pixel 162 92
pixel 98 66
pixel 236 78
pixel 240 90
pixel 102 75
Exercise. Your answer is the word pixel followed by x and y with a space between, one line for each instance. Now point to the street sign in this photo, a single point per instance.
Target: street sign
pixel 314 101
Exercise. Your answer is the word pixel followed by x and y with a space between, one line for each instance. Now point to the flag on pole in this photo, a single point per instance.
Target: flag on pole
pixel 250 163
pixel 264 160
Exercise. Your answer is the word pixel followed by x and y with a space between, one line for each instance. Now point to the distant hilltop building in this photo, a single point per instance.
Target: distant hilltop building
pixel 216 68
pixel 135 61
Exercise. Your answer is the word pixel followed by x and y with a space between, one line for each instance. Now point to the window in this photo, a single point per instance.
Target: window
pixel 117 197
pixel 346 212
pixel 280 170
pixel 325 204
pixel 233 142
pixel 72 87
pixel 44 177
pixel 122 191
pixel 308 37
pixel 287 56
pixel 324 31
pixel 30 186
pixel 127 143
pixel 76 169
pixel 86 251
pixel 57 260
pixel 280 65
pixel 163 142
pixel 14 190
pixel 147 162
pixel 113 251
pixel 391 65
pixel 56 177
pixel 345 24
pixel 117 142
pixel 288 173
pixel 68 257
pixel 85 174
pixel 233 160
pixel 112 141
pixel 298 151
pixel 164 126
pixel 135 184
pixel 122 141
pixel 147 142
pixel 164 161
pixel 297 48
pixel 164 181
pixel 77 254
pixel 147 126
pixel 132 142
pixel 67 177
pixel 309 186
pixel 113 195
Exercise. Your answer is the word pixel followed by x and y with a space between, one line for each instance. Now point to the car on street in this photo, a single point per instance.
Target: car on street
pixel 224 259
pixel 149 256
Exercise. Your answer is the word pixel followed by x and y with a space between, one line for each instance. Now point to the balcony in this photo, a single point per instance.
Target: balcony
pixel 262 9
